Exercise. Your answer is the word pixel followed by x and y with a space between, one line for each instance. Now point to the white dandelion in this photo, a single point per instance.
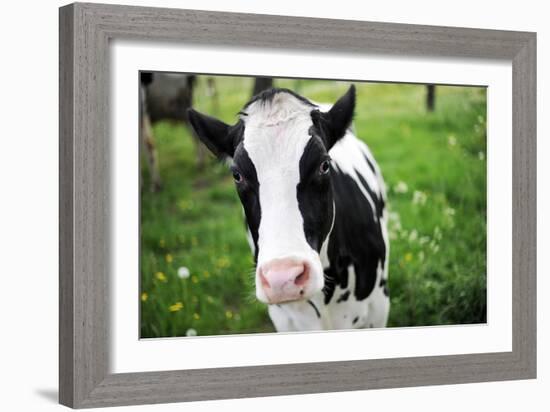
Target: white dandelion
pixel 401 187
pixel 183 272
pixel 419 198
pixel 449 212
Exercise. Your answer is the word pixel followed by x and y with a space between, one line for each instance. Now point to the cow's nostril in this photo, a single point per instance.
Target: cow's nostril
pixel 302 278
pixel 265 283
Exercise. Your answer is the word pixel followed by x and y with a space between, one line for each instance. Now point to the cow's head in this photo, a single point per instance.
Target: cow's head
pixel 278 152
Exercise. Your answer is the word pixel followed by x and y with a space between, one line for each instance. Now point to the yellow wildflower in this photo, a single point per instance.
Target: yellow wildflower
pixel 223 262
pixel 161 276
pixel 196 316
pixel 169 258
pixel 144 296
pixel 228 314
pixel 184 205
pixel 175 307
pixel 408 257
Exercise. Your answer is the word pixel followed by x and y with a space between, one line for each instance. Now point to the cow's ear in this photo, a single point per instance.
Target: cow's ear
pixel 214 133
pixel 336 121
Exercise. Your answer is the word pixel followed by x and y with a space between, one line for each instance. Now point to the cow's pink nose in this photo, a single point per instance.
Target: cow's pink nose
pixel 284 280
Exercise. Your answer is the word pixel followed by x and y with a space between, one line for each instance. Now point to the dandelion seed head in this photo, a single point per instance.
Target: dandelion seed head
pixel 183 272
pixel 423 240
pixel 449 211
pixel 419 198
pixel 401 187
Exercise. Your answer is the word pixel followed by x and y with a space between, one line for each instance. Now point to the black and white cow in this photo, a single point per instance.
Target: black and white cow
pixel 314 201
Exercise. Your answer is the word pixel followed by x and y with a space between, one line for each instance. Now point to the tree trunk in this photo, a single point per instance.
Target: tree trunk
pixel 262 83
pixel 430 97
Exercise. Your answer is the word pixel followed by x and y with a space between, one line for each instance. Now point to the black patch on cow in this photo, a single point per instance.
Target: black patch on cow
pixel 248 191
pixel 343 297
pixel 384 285
pixel 267 96
pixel 330 284
pixel 356 237
pixel 314 308
pixel 314 194
pixel 355 319
pixel 371 166
pixel 336 274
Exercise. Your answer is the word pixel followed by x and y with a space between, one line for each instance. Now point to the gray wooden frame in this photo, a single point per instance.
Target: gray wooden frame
pixel 85 31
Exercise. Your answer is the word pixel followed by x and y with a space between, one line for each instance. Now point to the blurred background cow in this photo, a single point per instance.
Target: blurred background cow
pixel 167 96
pixel 164 96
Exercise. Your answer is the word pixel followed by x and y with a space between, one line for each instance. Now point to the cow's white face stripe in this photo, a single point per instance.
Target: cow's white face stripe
pixel 276 134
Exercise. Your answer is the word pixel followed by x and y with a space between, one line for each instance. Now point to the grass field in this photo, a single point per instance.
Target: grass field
pixel 196 265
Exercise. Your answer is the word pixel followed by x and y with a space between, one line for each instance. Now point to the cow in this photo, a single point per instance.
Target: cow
pixel 315 208
pixel 164 96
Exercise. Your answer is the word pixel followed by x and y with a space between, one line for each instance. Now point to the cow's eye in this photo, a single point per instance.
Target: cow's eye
pixel 237 176
pixel 325 167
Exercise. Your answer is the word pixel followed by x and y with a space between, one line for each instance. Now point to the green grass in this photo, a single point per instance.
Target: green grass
pixel 435 169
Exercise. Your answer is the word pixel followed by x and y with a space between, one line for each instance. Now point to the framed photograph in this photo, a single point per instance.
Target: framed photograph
pixel 256 205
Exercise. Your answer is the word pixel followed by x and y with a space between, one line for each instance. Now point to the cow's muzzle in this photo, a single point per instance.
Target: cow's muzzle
pixel 284 280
